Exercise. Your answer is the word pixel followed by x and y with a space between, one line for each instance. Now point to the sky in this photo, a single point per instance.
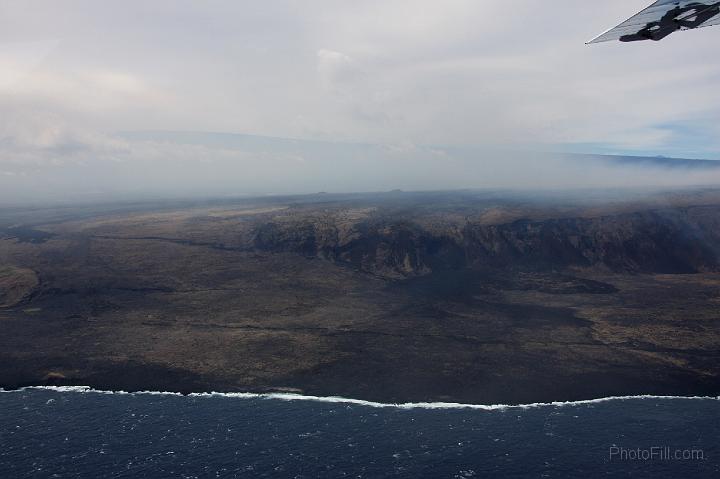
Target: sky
pixel 412 76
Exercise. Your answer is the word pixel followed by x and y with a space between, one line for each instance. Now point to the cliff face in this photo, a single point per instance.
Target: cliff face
pixel 677 241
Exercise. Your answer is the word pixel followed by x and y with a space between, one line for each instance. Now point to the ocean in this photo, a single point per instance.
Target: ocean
pixel 81 433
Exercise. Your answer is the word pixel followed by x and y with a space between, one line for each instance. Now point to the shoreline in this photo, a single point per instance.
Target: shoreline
pixel 390 302
pixel 358 402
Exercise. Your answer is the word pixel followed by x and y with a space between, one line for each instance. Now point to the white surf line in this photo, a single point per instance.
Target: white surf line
pixel 360 402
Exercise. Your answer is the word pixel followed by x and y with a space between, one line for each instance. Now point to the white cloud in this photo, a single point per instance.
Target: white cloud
pixel 335 68
pixel 18 60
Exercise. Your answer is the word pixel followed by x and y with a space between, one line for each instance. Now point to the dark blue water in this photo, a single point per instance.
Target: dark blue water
pixel 48 433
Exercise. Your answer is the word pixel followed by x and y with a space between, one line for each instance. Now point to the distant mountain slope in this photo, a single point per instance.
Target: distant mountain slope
pixel 652 161
pixel 319 148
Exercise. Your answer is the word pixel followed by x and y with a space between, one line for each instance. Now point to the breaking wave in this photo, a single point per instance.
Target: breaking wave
pixel 360 402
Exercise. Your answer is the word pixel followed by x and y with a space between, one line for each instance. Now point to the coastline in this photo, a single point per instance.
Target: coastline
pixel 358 402
pixel 398 309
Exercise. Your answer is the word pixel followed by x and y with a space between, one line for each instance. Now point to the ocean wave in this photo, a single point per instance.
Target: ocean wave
pixel 359 402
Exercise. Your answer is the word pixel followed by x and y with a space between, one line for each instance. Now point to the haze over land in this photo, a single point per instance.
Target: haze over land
pixel 414 95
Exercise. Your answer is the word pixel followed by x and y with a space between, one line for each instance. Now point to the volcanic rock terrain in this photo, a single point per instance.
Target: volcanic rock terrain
pixel 480 297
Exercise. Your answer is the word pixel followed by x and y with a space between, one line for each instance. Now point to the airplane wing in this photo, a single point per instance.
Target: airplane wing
pixel 663 18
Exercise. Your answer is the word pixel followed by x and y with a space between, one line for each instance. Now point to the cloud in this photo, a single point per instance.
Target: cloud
pixel 386 72
pixel 18 60
pixel 335 68
pixel 33 139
